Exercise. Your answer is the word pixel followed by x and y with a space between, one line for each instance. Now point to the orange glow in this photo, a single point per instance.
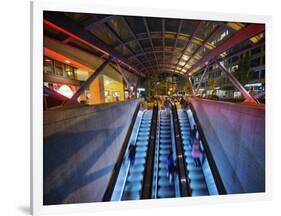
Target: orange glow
pixel 72 35
pixel 61 58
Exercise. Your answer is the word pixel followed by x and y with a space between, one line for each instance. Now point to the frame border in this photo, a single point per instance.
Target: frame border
pixel 36 133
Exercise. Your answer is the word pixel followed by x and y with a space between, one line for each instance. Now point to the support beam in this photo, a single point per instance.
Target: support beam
pixel 238 37
pixel 88 82
pixel 236 83
pixel 64 24
pixel 201 78
pixel 120 70
pixel 216 29
pixel 191 84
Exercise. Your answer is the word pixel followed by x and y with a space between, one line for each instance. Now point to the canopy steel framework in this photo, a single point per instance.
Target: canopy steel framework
pixel 146 45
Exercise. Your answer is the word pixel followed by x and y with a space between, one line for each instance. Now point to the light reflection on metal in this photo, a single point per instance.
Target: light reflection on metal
pixel 202 77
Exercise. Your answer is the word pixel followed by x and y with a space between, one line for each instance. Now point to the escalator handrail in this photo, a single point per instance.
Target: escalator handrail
pixel 111 184
pixel 128 168
pixel 212 163
pixel 184 183
pixel 157 158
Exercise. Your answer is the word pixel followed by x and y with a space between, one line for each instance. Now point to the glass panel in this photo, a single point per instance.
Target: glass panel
pixel 136 24
pixel 169 42
pixel 120 28
pixel 69 71
pixel 154 24
pixel 180 43
pixel 192 47
pixel 123 51
pixel 157 42
pixel 145 43
pixel 205 29
pixel 102 34
pixel 48 66
pixel 59 68
pixel 171 25
pixel 134 46
pixel 187 27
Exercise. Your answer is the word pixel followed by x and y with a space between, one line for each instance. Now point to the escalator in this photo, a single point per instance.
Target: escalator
pixel 133 185
pixel 197 183
pixel 129 182
pixel 164 146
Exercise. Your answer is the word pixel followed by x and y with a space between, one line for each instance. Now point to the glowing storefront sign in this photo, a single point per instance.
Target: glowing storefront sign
pixel 66 91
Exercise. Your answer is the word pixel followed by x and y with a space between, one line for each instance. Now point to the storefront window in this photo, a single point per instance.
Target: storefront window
pixel 58 68
pixel 69 72
pixel 48 66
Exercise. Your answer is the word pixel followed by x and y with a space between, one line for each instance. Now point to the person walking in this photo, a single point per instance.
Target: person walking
pixel 167 104
pixel 170 167
pixel 195 153
pixel 193 135
pixel 183 104
pixel 132 154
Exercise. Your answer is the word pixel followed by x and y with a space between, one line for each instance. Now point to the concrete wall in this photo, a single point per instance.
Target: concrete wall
pixel 81 146
pixel 236 137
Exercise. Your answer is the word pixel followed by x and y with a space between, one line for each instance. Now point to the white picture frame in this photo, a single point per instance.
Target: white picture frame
pixel 37 8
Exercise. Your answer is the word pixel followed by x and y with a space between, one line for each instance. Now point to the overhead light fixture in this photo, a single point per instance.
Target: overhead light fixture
pixel 67 61
pixel 47 60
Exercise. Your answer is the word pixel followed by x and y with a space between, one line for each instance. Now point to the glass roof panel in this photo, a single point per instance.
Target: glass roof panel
pixel 180 44
pixel 154 24
pixel 134 46
pixel 169 42
pixel 205 29
pixel 171 25
pixel 192 47
pixel 136 24
pixel 157 42
pixel 187 26
pixel 102 34
pixel 120 28
pixel 145 43
pixel 77 17
pixel 123 51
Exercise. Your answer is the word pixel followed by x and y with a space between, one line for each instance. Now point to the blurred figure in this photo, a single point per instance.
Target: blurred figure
pixel 132 154
pixel 167 104
pixel 183 104
pixel 196 152
pixel 170 167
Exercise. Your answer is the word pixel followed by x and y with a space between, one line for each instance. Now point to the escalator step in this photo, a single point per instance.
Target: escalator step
pixel 142 138
pixel 196 176
pixel 135 177
pixel 192 166
pixel 198 185
pixel 141 148
pixel 137 168
pixel 139 162
pixel 133 187
pixel 143 134
pixel 144 129
pixel 142 143
pixel 162 172
pixel 164 151
pixel 140 155
pixel 164 181
pixel 131 196
pixel 199 192
pixel 166 192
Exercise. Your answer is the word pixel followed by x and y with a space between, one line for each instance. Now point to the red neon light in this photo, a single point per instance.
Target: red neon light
pixel 72 35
